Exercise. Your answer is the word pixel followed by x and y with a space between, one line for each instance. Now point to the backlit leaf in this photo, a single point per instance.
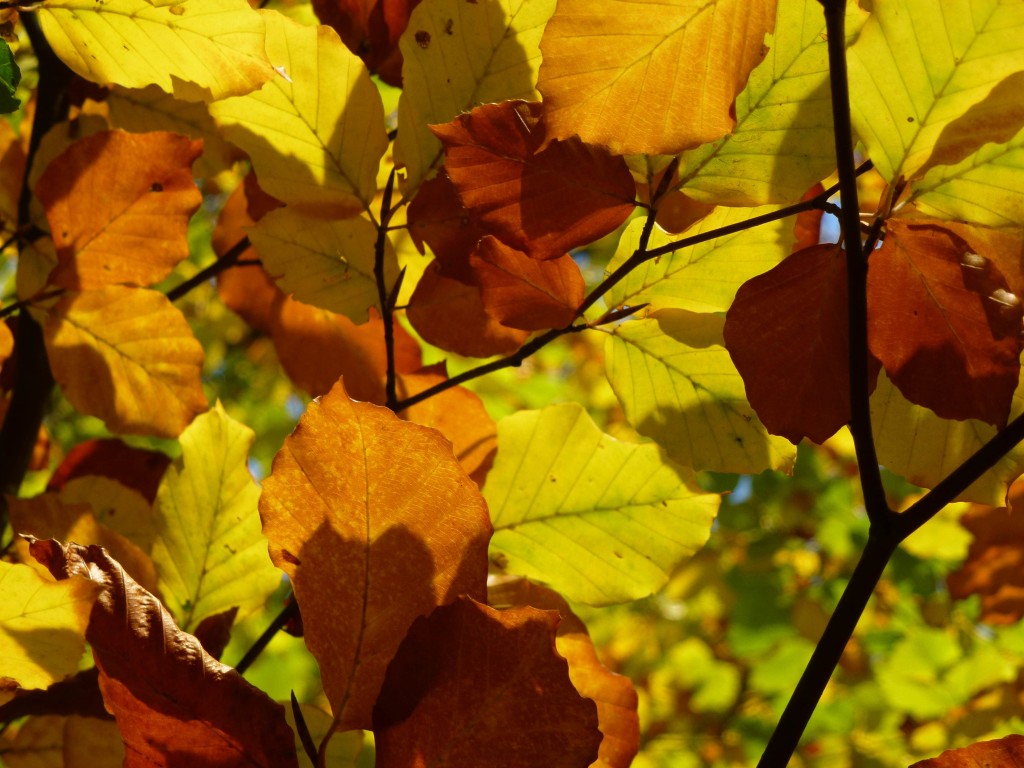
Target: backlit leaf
pixel 458 55
pixel 544 202
pixel 199 50
pixel 438 218
pixel 677 385
pixel 782 142
pixel 520 292
pixel 917 66
pixel 127 356
pixel 324 262
pixel 168 695
pixel 375 523
pixel 668 72
pixel 473 686
pixel 315 133
pixel 136 468
pixel 10 76
pixel 599 520
pixel 704 277
pixel 209 551
pixel 948 339
pixel 1007 752
pixel 119 205
pixel 42 626
pixel 371 30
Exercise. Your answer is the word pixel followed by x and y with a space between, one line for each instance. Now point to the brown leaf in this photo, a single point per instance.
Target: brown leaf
pixel 136 468
pixel 174 704
pixel 807 225
pixel 127 356
pixel 375 523
pixel 544 202
pixel 371 30
pixel 787 335
pixel 450 314
pixel 118 205
pixel 614 694
pixel 1007 752
pixel 524 293
pixel 456 413
pixel 438 218
pixel 473 686
pixel 948 336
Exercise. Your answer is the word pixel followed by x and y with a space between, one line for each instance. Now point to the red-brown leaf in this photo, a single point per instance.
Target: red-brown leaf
pixel 136 468
pixel 545 202
pixel 948 336
pixel 524 293
pixel 472 686
pixel 174 704
pixel 371 30
pixel 1007 752
pixel 438 218
pixel 787 335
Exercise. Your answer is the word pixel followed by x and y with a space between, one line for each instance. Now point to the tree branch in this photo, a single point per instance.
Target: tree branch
pixel 229 259
pixel 383 294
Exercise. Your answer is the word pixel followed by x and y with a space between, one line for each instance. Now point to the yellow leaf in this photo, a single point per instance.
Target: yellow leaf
pixel 649 76
pixel 127 356
pixel 918 65
pixel 209 552
pixel 199 50
pixel 42 625
pixel 324 262
pixel 457 55
pixel 315 133
pixel 376 524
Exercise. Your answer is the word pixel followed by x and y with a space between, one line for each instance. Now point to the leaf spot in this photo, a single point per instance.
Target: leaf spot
pixel 449 26
pixel 157 187
pixel 288 557
pixel 178 10
pixel 423 39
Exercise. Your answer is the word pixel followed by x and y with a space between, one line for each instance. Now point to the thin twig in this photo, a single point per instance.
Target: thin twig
pixel 10 309
pixel 384 295
pixel 229 259
pixel 290 610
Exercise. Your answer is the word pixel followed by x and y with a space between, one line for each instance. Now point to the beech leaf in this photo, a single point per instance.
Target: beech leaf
pixel 668 72
pixel 119 205
pixel 1007 752
pixel 168 695
pixel 132 467
pixel 599 520
pixel 542 202
pixel 371 29
pixel 375 523
pixel 473 686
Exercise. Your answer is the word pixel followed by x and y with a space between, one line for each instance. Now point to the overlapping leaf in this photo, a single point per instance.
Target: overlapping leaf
pixel 438 218
pixel 1007 752
pixel 375 523
pixel 199 50
pixel 542 202
pixel 371 30
pixel 677 385
pixel 42 626
pixel 10 76
pixel 118 205
pixel 668 72
pixel 703 277
pixel 315 133
pixel 599 520
pixel 458 55
pixel 324 262
pixel 167 694
pixel 782 142
pixel 209 551
pixel 136 468
pixel 127 356
pixel 474 686
pixel 949 338
pixel 917 66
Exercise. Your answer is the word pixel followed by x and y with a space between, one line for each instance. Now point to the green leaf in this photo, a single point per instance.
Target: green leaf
pixel 198 50
pixel 782 143
pixel 10 76
pixel 327 263
pixel 599 520
pixel 315 134
pixel 918 66
pixel 209 550
pixel 457 55
pixel 677 385
pixel 704 277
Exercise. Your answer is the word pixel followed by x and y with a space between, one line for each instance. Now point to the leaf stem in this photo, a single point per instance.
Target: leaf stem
pixel 386 300
pixel 229 259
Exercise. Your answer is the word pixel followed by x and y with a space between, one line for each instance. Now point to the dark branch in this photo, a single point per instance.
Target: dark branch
pixel 385 296
pixel 229 259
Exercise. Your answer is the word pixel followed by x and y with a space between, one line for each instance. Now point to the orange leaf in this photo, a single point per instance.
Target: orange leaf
pixel 456 413
pixel 614 694
pixel 1007 752
pixel 543 202
pixel 168 695
pixel 438 218
pixel 944 324
pixel 473 686
pixel 128 356
pixel 649 77
pixel 118 205
pixel 376 523
pixel 786 332
pixel 450 314
pixel 520 292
